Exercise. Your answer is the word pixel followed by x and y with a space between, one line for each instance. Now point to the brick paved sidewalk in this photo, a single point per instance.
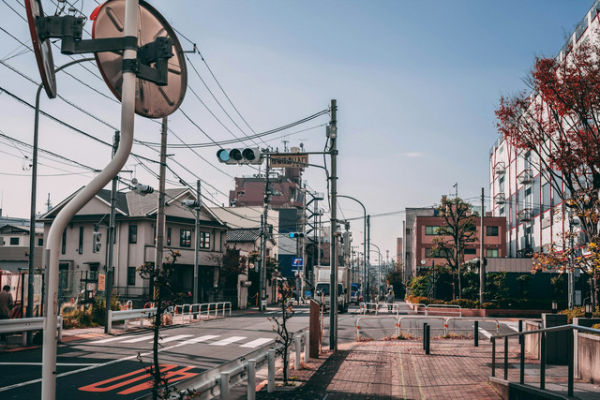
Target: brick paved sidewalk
pixel 399 370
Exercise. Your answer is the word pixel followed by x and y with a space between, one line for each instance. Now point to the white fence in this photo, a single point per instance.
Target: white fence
pixel 200 310
pixel 126 315
pixel 27 325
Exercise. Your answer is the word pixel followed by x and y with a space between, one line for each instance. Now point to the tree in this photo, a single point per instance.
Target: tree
pixel 559 123
pixel 458 230
pixel 285 337
pixel 164 295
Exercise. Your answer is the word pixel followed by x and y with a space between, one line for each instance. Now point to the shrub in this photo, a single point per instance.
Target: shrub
pixel 489 305
pixel 465 303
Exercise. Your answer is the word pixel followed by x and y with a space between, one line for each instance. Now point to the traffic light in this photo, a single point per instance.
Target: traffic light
pixel 250 155
pixel 97 245
pixel 296 235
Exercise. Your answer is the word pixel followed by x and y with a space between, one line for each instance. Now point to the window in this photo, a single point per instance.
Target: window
pixel 131 276
pixel 63 276
pixel 132 234
pixel 63 246
pixel 204 240
pixel 168 236
pixel 432 230
pixel 407 231
pixel 501 210
pixel 80 247
pixel 491 253
pixel 491 231
pixel 470 251
pixel 40 242
pixel 14 241
pixel 439 253
pixel 546 203
pixel 185 238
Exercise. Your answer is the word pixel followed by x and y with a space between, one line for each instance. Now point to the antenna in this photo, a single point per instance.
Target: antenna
pixel 48 204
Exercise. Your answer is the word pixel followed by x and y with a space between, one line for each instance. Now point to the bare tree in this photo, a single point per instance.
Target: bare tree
pixel 280 325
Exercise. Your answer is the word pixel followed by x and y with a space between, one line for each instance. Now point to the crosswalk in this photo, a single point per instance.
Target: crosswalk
pixel 186 339
pixel 295 312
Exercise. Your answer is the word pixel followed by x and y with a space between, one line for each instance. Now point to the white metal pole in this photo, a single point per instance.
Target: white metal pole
pixel 85 195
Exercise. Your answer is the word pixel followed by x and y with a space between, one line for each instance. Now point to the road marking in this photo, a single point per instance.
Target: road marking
pixel 138 339
pixel 228 340
pixel 271 312
pixel 200 339
pixel 512 325
pixel 76 371
pixel 485 333
pixel 57 364
pixel 171 339
pixel 110 339
pixel 257 342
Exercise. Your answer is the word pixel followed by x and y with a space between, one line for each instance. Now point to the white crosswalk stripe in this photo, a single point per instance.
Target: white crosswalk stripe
pixel 110 339
pixel 257 342
pixel 228 340
pixel 200 339
pixel 172 338
pixel 138 339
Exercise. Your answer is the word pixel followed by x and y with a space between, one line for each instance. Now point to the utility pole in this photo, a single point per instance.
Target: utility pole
pixel 303 246
pixel 196 242
pixel 481 250
pixel 160 215
pixel 571 280
pixel 368 255
pixel 332 133
pixel 264 234
pixel 110 248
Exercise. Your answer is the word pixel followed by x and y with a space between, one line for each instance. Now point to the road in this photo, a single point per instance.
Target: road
pixel 114 367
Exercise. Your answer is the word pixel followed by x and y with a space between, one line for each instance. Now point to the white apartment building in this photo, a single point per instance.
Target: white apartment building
pixel 519 188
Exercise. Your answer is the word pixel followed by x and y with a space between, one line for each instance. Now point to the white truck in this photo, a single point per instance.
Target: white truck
pixel 322 292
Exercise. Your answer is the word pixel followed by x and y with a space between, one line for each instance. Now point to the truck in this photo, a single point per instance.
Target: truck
pixel 322 292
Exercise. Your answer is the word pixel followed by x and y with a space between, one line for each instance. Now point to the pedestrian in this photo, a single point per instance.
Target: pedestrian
pixel 389 298
pixel 6 304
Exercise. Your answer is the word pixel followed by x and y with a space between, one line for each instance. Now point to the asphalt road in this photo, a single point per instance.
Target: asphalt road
pixel 115 367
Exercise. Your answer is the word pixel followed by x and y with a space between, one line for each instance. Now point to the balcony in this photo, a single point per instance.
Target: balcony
pixel 524 215
pixel 500 168
pixel 525 177
pixel 499 199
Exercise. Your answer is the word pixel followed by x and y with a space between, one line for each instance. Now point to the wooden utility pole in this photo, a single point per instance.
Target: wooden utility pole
pixel 160 215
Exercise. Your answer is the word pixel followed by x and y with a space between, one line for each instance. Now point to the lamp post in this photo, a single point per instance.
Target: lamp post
pixel 365 229
pixel 34 165
pixel 379 269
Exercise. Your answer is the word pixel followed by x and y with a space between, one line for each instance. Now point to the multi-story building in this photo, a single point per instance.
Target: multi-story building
pixel 519 187
pixel 14 246
pixel 426 231
pixel 135 244
pixel 410 239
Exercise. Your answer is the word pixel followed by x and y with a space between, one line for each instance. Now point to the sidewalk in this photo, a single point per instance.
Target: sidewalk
pixel 374 370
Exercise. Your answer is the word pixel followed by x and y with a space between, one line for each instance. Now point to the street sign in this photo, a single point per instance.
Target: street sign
pixel 289 160
pixel 297 262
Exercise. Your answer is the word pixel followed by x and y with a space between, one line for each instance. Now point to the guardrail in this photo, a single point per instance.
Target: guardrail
pixel 543 332
pixel 198 309
pixel 218 382
pixel 126 315
pixel 27 325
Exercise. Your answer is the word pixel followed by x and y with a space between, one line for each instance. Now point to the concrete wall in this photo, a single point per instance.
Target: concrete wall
pixel 588 356
pixel 532 342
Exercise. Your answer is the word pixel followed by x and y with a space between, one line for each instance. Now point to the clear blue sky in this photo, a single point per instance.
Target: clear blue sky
pixel 417 83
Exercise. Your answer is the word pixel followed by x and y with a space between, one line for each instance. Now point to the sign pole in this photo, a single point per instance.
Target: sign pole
pixel 66 214
pixel 333 259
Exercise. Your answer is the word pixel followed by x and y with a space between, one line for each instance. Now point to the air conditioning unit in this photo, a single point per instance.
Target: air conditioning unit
pixel 525 177
pixel 499 198
pixel 500 168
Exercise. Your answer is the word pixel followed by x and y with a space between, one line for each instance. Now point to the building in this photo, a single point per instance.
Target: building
pixel 519 189
pixel 81 265
pixel 410 240
pixel 14 246
pixel 399 252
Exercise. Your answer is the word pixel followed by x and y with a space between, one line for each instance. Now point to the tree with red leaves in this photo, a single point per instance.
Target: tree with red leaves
pixel 559 122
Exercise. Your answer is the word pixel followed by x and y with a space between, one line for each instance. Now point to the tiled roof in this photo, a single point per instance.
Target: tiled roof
pixel 242 235
pixel 121 200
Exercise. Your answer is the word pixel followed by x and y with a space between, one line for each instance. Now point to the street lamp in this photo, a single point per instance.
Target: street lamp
pixel 366 229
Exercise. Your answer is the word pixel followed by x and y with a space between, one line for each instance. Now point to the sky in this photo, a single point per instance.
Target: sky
pixel 416 83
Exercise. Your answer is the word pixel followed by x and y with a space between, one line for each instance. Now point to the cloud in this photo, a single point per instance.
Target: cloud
pixel 412 154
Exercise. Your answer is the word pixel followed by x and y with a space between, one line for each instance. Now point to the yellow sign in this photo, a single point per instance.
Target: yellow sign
pixel 289 160
pixel 101 282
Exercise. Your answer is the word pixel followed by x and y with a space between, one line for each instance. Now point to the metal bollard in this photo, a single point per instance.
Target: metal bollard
pixel 109 321
pixel 427 342
pixel 271 367
pixel 476 333
pixel 297 348
pixel 251 369
pixel 306 346
pixel 224 381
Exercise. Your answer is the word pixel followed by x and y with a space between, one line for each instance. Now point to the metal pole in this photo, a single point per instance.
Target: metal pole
pixel 70 209
pixel 160 214
pixel 111 241
pixel 32 219
pixel 481 251
pixel 364 274
pixel 571 281
pixel 333 211
pixel 264 237
pixel 368 255
pixel 196 244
